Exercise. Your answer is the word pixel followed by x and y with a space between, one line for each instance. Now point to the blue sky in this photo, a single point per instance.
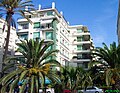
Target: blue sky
pixel 100 16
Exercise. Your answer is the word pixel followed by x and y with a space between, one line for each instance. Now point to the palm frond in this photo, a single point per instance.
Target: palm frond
pixel 32 84
pixel 37 84
pixel 13 85
pixel 46 55
pixel 22 89
pixel 23 74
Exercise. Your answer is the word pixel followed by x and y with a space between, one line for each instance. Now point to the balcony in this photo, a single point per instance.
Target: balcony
pixel 81 34
pixel 46 28
pixel 82 51
pixel 48 40
pixel 18 54
pixel 22 20
pixel 81 60
pixel 81 42
pixel 23 29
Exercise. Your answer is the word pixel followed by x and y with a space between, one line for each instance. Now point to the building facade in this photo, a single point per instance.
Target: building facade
pixel 81 45
pixel 49 24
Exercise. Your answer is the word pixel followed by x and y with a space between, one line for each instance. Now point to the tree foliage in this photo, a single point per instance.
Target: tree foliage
pixel 110 60
pixel 10 7
pixel 33 70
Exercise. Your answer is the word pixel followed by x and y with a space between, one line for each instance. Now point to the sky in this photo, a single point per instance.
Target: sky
pixel 100 16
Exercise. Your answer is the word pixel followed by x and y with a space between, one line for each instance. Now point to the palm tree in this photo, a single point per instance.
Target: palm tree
pixel 111 60
pixel 84 78
pixel 73 78
pixel 34 69
pixel 63 78
pixel 9 8
pixel 97 75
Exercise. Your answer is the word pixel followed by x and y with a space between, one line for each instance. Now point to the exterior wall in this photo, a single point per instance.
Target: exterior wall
pixel 56 25
pixel 81 45
pixel 63 35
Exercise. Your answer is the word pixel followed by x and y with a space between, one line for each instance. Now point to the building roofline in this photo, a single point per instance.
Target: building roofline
pixel 76 26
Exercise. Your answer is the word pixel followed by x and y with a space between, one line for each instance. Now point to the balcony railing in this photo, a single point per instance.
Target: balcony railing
pixel 81 34
pixel 81 51
pixel 81 60
pixel 82 42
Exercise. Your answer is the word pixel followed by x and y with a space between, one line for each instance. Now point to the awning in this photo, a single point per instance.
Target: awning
pixel 46 21
pixel 47 81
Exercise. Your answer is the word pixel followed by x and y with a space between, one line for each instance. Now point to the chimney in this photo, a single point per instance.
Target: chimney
pixel 68 22
pixel 39 6
pixel 61 12
pixel 53 5
pixel 26 8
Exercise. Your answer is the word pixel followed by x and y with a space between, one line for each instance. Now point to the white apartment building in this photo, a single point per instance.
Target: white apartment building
pixel 49 24
pixel 13 37
pixel 81 45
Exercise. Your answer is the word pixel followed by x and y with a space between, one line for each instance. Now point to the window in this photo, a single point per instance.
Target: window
pixel 79 64
pixel 25 26
pixel 24 36
pixel 62 51
pixel 49 35
pixel 89 88
pixel 79 56
pixel 37 25
pixel 79 30
pixel 63 41
pixel 49 13
pixel 36 35
pixel 60 39
pixel 85 65
pixel 49 25
pixel 21 59
pixel 79 39
pixel 79 47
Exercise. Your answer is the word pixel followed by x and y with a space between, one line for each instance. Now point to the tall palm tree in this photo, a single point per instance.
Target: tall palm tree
pixel 34 69
pixel 10 7
pixel 111 60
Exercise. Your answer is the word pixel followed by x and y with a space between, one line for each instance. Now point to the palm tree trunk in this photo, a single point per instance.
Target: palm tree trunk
pixel 6 43
pixel 44 90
